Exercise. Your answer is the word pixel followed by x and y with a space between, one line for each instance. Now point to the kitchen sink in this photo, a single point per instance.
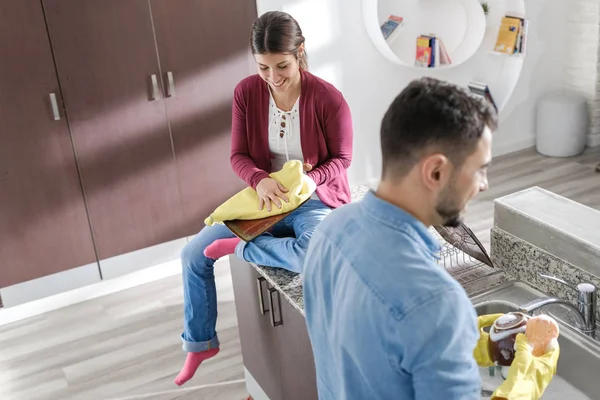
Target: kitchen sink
pixel 578 371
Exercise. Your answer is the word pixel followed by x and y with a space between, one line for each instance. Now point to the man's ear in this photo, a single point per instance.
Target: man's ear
pixel 435 171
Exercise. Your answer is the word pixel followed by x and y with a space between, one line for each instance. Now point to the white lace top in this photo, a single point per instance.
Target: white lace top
pixel 284 135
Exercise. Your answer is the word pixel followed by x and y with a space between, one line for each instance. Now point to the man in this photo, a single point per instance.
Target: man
pixel 384 319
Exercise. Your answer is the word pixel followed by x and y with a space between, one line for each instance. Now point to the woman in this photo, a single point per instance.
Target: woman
pixel 279 114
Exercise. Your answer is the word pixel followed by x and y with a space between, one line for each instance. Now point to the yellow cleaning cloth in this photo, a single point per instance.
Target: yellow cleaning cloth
pixel 244 204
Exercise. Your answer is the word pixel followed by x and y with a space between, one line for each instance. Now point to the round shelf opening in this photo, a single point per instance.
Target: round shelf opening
pixel 394 26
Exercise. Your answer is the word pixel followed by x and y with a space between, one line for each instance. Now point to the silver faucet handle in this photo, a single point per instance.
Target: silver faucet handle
pixel 554 278
pixel 585 287
pixel 586 292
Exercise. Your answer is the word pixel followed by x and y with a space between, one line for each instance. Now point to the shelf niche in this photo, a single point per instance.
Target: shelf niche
pixel 460 24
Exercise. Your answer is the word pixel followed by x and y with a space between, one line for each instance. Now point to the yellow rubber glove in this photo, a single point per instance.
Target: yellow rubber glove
pixel 528 376
pixel 481 352
pixel 244 204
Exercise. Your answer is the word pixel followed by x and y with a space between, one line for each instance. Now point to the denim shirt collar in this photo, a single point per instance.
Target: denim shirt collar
pixel 400 220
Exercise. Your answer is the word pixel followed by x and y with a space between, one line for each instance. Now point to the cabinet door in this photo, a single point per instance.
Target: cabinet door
pixel 257 336
pixel 203 48
pixel 43 223
pixel 298 376
pixel 106 60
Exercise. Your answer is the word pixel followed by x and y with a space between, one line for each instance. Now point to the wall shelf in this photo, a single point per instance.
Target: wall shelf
pixel 473 57
pixel 499 54
pixel 460 24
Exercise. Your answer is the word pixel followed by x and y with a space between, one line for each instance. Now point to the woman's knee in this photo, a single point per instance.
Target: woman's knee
pixel 192 256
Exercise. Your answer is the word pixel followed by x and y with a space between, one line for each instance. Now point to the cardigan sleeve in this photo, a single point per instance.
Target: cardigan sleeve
pixel 338 136
pixel 240 159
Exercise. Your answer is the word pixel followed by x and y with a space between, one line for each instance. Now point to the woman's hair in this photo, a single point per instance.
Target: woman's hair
pixel 278 32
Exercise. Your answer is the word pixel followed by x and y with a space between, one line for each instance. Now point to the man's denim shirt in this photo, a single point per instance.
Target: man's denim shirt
pixel 385 320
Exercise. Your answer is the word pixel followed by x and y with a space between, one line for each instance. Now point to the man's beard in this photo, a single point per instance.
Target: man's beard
pixel 448 209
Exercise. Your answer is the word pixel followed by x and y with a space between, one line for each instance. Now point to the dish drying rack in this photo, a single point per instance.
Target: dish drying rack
pixel 461 256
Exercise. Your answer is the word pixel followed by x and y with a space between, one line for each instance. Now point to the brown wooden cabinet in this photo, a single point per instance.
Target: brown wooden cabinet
pixel 109 70
pixel 139 152
pixel 44 228
pixel 203 47
pixel 275 344
pixel 298 376
pixel 257 337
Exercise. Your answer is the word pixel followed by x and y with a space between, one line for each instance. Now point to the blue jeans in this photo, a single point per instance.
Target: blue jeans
pixel 284 247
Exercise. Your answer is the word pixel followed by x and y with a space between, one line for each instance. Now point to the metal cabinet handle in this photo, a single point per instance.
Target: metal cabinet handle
pixel 154 81
pixel 171 84
pixel 261 301
pixel 54 105
pixel 273 322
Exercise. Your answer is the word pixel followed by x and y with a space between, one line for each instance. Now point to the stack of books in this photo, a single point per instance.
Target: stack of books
pixel 483 90
pixel 431 52
pixel 512 35
pixel 391 25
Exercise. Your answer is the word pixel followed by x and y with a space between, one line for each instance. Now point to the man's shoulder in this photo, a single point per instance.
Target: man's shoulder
pixel 405 276
pixel 341 219
pixel 339 232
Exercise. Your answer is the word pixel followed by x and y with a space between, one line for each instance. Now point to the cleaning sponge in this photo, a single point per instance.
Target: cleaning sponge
pixel 542 332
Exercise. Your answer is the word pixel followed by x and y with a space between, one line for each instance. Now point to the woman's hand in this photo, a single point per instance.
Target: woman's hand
pixel 269 191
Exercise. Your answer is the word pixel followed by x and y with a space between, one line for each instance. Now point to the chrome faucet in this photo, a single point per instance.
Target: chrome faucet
pixel 586 304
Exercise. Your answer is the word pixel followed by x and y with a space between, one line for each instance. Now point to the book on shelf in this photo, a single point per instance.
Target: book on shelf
pixel 512 35
pixel 390 25
pixel 431 52
pixel 483 90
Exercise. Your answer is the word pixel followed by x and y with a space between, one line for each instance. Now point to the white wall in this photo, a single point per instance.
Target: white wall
pixel 581 59
pixel 340 51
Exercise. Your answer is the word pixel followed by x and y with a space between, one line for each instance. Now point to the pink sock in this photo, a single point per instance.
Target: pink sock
pixel 192 362
pixel 221 247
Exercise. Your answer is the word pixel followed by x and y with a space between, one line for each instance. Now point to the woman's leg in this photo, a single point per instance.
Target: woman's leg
pixel 286 253
pixel 199 338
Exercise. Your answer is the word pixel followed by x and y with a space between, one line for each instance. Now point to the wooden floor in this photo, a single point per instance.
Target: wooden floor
pixel 126 345
pixel 574 178
pixel 118 346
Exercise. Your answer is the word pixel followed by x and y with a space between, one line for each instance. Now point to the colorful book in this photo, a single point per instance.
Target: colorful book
pixel 482 90
pixel 424 52
pixel 390 25
pixel 431 52
pixel 507 41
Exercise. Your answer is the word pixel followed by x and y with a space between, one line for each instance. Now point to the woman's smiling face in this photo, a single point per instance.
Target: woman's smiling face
pixel 279 70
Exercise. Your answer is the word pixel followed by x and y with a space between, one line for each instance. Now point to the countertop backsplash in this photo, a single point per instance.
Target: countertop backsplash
pixel 525 261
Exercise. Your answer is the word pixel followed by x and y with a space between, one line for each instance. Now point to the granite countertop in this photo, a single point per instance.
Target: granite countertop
pixel 473 275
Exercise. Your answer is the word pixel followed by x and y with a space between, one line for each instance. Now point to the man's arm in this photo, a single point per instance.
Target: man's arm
pixel 437 338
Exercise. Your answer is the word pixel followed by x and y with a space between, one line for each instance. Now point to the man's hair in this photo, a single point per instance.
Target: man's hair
pixel 432 115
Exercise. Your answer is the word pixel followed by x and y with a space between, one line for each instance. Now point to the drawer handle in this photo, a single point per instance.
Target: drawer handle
pixel 154 82
pixel 261 301
pixel 54 105
pixel 273 322
pixel 171 84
